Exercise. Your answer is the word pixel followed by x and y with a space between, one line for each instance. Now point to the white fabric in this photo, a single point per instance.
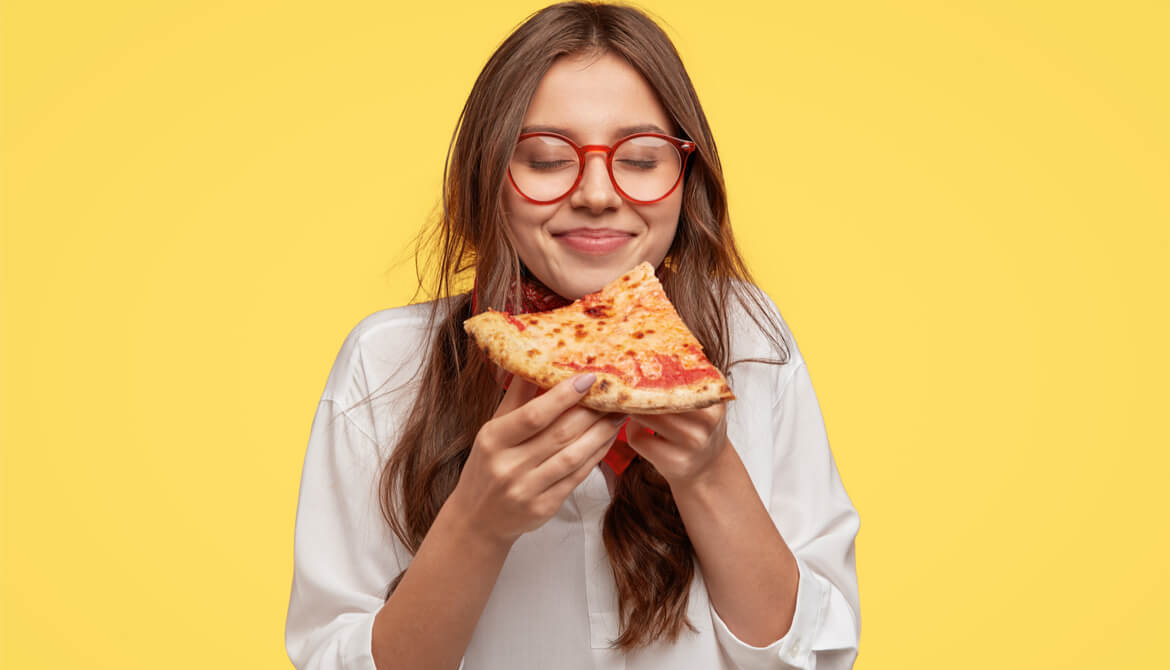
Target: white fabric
pixel 554 604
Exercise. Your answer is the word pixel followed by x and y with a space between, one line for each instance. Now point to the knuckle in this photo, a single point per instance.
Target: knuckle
pixel 564 462
pixel 486 437
pixel 514 496
pixel 543 508
pixel 561 434
pixel 497 470
pixel 528 418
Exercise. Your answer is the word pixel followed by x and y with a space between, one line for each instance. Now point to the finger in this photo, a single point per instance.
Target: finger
pixel 538 412
pixel 584 452
pixel 639 436
pixel 638 426
pixel 642 422
pixel 563 431
pixel 674 426
pixel 562 488
pixel 519 391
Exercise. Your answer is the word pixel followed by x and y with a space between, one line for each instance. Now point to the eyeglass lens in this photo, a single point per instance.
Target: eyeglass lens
pixel 644 167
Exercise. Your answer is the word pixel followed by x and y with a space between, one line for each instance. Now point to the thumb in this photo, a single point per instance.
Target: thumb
pixel 520 391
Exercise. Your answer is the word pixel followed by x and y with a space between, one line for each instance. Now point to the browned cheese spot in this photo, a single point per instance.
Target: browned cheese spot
pixel 532 322
pixel 639 335
pixel 590 360
pixel 532 352
pixel 626 278
pixel 556 330
pixel 597 311
pixel 630 352
pixel 603 385
pixel 580 334
pixel 649 332
pixel 560 343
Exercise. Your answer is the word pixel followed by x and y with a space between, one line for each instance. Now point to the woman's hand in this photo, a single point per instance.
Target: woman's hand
pixel 530 456
pixel 684 446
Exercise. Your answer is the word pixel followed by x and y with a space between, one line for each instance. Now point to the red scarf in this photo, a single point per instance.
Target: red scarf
pixel 536 297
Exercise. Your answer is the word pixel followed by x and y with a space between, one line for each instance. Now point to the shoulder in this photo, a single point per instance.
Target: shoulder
pixel 387 328
pixel 384 347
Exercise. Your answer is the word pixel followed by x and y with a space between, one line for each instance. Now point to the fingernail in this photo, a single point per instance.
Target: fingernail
pixel 582 383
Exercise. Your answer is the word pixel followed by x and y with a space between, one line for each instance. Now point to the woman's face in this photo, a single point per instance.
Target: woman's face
pixel 592 100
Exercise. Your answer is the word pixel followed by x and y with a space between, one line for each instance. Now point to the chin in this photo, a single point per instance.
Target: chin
pixel 591 280
pixel 574 290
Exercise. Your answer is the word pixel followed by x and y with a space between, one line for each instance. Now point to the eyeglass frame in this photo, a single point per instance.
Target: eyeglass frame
pixel 685 147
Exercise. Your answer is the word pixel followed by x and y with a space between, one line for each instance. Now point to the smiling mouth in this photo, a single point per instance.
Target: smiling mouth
pixel 594 241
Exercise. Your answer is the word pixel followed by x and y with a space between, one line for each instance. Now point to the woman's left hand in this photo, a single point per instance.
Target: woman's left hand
pixel 684 446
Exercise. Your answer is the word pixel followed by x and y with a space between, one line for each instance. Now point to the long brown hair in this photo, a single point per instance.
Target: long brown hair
pixel 650 553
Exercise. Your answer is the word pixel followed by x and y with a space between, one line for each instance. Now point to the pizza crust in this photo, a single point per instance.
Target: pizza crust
pixel 608 396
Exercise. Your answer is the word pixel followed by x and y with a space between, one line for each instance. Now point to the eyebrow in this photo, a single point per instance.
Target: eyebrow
pixel 621 132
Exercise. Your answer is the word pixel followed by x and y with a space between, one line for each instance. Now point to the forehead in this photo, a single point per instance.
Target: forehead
pixel 593 97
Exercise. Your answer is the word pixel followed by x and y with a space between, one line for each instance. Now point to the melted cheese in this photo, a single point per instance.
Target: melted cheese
pixel 629 329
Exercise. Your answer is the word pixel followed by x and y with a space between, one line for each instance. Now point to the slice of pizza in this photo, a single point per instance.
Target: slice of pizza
pixel 646 360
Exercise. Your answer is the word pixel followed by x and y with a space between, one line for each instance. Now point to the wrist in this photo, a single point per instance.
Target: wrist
pixel 456 517
pixel 709 477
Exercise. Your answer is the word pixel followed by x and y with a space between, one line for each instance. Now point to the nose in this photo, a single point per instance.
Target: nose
pixel 595 192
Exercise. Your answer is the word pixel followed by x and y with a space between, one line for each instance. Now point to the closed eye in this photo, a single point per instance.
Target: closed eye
pixel 641 165
pixel 550 165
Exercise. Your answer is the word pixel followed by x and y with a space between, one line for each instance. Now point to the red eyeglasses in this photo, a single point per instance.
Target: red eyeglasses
pixel 644 168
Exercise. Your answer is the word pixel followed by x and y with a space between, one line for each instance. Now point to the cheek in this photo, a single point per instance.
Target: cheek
pixel 525 223
pixel 664 224
pixel 518 215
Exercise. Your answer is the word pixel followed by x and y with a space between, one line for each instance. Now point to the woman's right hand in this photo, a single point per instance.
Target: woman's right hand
pixel 530 456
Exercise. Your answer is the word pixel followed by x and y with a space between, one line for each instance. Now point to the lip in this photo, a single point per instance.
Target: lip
pixel 594 240
pixel 593 232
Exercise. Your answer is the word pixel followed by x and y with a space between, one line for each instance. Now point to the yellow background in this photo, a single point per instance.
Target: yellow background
pixel 961 208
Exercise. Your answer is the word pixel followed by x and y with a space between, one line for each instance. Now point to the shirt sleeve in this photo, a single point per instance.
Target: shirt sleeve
pixel 343 560
pixel 819 523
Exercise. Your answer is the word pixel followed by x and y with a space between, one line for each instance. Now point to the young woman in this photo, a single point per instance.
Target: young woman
pixel 448 518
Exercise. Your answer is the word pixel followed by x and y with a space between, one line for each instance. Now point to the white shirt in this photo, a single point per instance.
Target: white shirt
pixel 554 605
